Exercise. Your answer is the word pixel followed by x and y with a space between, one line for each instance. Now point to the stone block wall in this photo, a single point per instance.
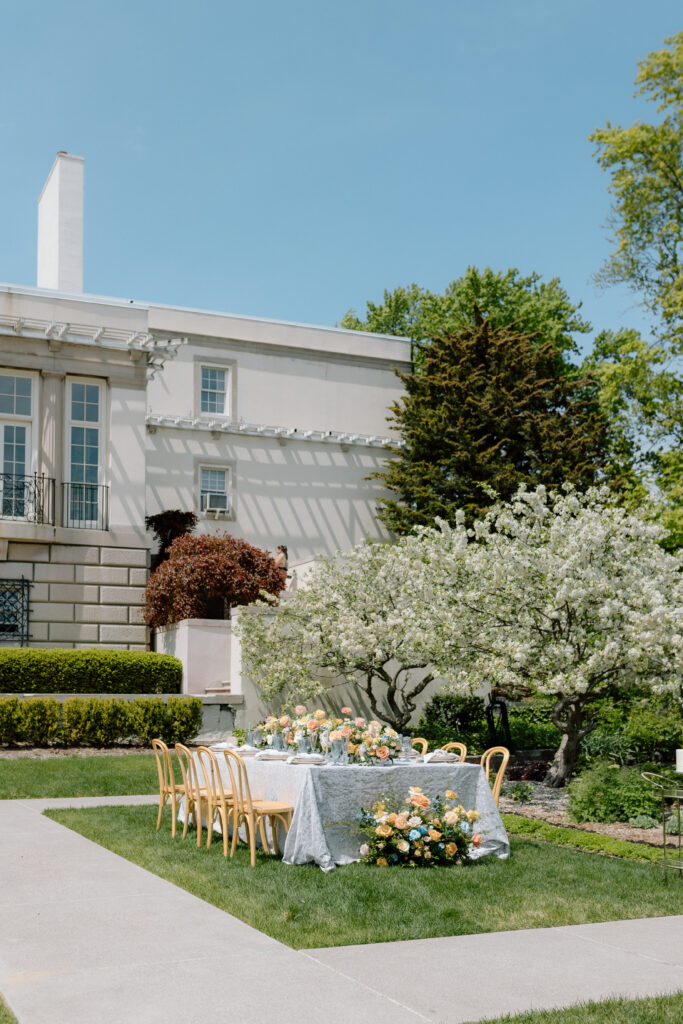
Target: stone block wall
pixel 82 595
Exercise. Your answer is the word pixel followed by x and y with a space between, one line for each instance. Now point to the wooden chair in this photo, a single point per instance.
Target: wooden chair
pixel 252 813
pixel 169 789
pixel 485 762
pixel 195 793
pixel 418 741
pixel 217 798
pixel 456 746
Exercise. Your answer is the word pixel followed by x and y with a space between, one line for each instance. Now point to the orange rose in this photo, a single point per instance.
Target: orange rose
pixel 319 714
pixel 313 725
pixel 346 711
pixel 384 830
pixel 391 818
pixel 476 839
pixel 451 849
pixel 434 835
pixel 401 821
pixel 381 862
pixel 450 795
pixel 427 854
pixel 383 753
pixel 345 732
pixel 419 800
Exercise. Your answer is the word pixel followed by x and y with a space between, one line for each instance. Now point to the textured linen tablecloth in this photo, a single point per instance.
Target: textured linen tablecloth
pixel 327 801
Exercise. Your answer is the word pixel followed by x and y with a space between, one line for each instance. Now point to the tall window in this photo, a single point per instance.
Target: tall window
pixel 213 390
pixel 84 452
pixel 214 489
pixel 16 407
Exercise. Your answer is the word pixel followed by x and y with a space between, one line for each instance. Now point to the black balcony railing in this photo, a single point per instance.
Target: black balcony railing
pixel 30 498
pixel 85 506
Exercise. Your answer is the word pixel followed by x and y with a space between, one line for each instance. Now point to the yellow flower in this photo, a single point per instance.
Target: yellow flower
pixel 391 818
pixel 450 795
pixel 434 835
pixel 381 862
pixel 451 849
pixel 384 830
pixel 473 815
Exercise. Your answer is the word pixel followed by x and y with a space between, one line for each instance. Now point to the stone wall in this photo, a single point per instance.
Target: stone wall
pixel 82 595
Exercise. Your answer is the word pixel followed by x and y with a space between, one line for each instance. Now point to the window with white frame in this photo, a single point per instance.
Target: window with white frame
pixel 214 489
pixel 213 390
pixel 84 452
pixel 17 457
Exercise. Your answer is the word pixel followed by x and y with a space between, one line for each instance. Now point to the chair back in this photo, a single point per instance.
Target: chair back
pixel 456 746
pixel 164 766
pixel 210 769
pixel 485 762
pixel 188 769
pixel 420 741
pixel 240 782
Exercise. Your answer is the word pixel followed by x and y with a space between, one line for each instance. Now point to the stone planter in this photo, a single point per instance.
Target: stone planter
pixel 203 646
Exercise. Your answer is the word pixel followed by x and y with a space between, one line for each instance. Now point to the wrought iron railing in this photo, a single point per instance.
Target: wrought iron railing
pixel 31 498
pixel 85 506
pixel 14 611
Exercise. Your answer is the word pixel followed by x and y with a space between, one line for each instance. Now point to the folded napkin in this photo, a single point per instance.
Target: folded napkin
pixel 224 746
pixel 306 759
pixel 246 751
pixel 272 755
pixel 441 756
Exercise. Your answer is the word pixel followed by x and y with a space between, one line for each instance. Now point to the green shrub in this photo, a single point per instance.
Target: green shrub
pixel 603 745
pixel 522 792
pixel 448 717
pixel 643 821
pixel 674 826
pixel 654 733
pixel 27 670
pixel 183 719
pixel 95 721
pixel 9 719
pixel 39 720
pixel 607 792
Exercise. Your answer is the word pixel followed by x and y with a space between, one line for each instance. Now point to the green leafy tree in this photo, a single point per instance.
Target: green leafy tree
pixel 646 166
pixel 535 307
pixel 491 408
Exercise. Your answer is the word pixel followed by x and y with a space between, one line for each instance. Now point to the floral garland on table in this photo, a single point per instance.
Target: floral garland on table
pixel 421 833
pixel 369 742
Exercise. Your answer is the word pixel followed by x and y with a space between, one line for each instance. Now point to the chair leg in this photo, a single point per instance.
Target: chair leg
pixel 174 812
pixel 273 828
pixel 162 803
pixel 187 815
pixel 224 827
pixel 210 816
pixel 236 818
pixel 251 824
pixel 262 831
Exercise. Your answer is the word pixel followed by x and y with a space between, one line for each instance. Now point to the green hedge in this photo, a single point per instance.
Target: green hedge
pixel 98 721
pixel 27 670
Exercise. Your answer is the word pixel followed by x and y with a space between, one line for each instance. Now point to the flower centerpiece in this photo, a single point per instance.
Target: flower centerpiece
pixel 367 742
pixel 419 833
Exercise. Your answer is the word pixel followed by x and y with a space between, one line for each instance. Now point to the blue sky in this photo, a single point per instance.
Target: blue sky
pixel 293 160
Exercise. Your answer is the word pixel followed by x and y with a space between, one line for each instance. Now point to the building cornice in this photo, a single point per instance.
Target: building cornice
pixel 155 348
pixel 216 427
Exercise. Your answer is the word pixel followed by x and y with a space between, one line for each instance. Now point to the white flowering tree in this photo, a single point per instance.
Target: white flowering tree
pixel 570 598
pixel 376 616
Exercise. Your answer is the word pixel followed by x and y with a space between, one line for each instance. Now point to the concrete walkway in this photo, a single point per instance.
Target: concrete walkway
pixel 86 937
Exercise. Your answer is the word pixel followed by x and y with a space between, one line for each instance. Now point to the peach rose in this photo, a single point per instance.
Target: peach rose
pixel 313 725
pixel 346 711
pixel 345 732
pixel 476 839
pixel 284 721
pixel 319 714
pixel 401 821
pixel 335 734
pixel 450 817
pixel 391 818
pixel 414 822
pixel 427 855
pixel 384 831
pixel 381 862
pixel 360 722
pixel 403 845
pixel 420 800
pixel 434 835
pixel 451 849
pixel 300 709
pixel 383 753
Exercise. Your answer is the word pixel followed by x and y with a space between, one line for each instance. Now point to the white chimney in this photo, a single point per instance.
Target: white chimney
pixel 60 226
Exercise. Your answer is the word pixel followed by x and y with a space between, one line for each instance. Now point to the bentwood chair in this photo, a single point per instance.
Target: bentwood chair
pixel 195 794
pixel 419 741
pixel 218 797
pixel 485 762
pixel 252 813
pixel 456 746
pixel 169 789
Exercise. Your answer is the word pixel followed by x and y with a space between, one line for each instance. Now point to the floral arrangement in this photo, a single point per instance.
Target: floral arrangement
pixel 370 742
pixel 420 833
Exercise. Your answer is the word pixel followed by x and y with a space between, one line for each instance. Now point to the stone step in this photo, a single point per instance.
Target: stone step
pixel 223 688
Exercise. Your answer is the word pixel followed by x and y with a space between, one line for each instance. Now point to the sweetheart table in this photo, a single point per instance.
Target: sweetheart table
pixel 327 800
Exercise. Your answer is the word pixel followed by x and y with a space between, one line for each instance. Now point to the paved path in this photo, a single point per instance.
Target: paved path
pixel 86 937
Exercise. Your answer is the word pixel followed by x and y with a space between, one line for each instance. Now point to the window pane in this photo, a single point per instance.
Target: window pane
pixel 213 390
pixel 23 386
pixel 15 395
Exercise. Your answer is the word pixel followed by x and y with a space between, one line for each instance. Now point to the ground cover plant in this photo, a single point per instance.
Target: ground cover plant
pixel 5 1016
pixel 540 886
pixel 655 1010
pixel 578 839
pixel 113 775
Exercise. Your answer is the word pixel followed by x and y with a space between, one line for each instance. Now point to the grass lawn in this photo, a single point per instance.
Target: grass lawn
pixel 122 775
pixel 540 886
pixel 5 1016
pixel 660 1010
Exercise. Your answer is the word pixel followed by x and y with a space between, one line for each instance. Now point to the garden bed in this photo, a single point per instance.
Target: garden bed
pixel 550 805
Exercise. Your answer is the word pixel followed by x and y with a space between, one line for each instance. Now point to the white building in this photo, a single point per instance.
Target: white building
pixel 112 409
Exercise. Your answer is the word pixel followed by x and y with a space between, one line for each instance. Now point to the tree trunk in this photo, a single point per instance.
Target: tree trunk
pixel 571 726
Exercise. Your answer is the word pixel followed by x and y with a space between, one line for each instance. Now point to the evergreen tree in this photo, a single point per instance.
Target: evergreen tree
pixel 490 408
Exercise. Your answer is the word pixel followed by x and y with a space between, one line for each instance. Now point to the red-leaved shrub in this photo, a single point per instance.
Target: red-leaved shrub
pixel 204 576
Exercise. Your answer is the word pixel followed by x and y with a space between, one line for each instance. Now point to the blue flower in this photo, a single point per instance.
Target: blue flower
pixel 423 830
pixel 464 826
pixel 414 833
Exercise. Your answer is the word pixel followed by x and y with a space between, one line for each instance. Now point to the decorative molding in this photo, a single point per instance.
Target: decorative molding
pixel 217 427
pixel 158 347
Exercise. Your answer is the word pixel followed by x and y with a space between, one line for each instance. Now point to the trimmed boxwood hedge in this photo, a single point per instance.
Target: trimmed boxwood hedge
pixel 27 670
